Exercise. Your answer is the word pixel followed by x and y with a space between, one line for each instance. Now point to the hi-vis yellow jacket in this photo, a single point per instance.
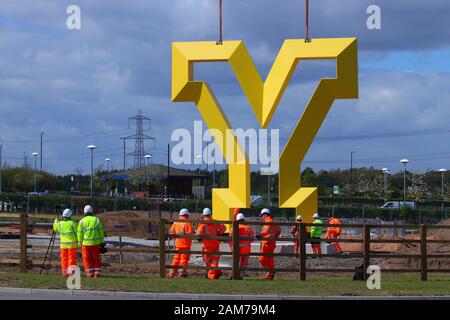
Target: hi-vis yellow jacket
pixel 90 231
pixel 67 229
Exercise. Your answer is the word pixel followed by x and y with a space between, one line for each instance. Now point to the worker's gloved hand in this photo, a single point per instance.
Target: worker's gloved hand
pixel 258 236
pixel 56 220
pixel 103 249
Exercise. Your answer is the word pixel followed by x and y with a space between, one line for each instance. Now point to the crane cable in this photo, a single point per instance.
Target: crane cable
pixel 307 39
pixel 220 42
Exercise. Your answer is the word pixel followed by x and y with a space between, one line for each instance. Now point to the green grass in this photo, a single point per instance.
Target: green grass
pixel 391 285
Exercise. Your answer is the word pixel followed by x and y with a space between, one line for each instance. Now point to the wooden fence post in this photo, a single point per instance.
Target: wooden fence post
pixel 162 248
pixel 23 242
pixel 302 251
pixel 423 252
pixel 235 240
pixel 366 250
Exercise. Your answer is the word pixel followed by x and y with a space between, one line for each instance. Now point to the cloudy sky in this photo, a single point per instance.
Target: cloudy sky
pixel 80 86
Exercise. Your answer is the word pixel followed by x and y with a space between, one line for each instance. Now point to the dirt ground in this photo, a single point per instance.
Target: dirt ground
pixel 432 248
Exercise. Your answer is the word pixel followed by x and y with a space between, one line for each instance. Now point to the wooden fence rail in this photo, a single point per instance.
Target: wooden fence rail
pixel 366 254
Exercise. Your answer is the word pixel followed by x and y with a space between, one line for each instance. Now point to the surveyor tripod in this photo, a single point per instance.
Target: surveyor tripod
pixel 50 247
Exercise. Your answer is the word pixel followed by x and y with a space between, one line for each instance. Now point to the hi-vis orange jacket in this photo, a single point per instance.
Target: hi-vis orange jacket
pixel 334 230
pixel 182 228
pixel 270 231
pixel 245 246
pixel 211 230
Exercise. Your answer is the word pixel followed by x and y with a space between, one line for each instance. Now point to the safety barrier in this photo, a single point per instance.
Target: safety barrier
pixel 366 254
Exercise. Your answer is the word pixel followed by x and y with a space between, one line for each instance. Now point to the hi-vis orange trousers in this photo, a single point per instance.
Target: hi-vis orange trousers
pixel 68 259
pixel 334 235
pixel 265 261
pixel 180 260
pixel 212 261
pixel 91 260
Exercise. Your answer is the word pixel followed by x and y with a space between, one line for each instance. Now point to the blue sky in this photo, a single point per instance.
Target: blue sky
pixel 81 86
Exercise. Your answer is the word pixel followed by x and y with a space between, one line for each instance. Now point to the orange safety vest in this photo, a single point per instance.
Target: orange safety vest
pixel 182 228
pixel 270 231
pixel 245 246
pixel 210 230
pixel 336 230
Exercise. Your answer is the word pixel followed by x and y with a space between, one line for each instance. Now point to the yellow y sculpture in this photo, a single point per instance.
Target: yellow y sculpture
pixel 264 98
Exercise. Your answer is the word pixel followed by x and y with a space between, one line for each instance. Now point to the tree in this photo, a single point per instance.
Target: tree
pixel 309 178
pixel 136 178
pixel 372 186
pixel 418 190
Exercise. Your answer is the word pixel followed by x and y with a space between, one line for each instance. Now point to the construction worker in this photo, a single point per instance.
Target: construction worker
pixel 334 232
pixel 236 211
pixel 268 246
pixel 68 242
pixel 90 237
pixel 295 232
pixel 245 245
pixel 316 233
pixel 210 245
pixel 181 260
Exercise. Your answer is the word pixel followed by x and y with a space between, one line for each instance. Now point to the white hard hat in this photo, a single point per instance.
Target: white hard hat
pixel 67 213
pixel 240 216
pixel 207 212
pixel 316 216
pixel 299 218
pixel 88 209
pixel 184 212
pixel 265 211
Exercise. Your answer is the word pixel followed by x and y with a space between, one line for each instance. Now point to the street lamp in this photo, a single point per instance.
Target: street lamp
pixel 442 171
pixel 199 156
pixel 35 154
pixel 92 147
pixel 404 161
pixel 42 133
pixel 147 157
pixel 351 179
pixel 199 168
pixel 108 160
pixel 385 173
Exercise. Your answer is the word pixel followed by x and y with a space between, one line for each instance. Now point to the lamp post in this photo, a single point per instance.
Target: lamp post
pixel 35 154
pixel 207 160
pixel 92 147
pixel 214 174
pixel 442 171
pixel 199 156
pixel 385 173
pixel 269 202
pixel 405 162
pixel 147 157
pixel 42 133
pixel 108 160
pixel 351 180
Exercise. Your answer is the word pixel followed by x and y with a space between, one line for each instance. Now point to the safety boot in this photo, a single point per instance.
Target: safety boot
pixel 182 273
pixel 171 273
pixel 269 276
